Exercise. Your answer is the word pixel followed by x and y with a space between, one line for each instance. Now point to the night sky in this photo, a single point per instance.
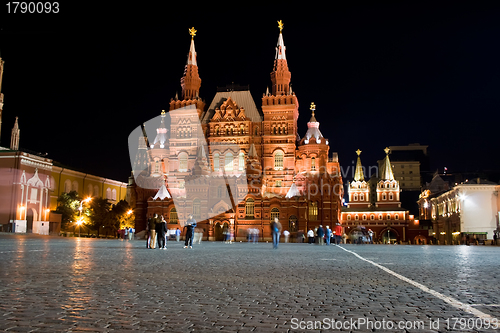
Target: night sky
pixel 382 74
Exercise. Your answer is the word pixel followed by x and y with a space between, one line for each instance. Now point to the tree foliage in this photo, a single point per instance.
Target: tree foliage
pixel 67 206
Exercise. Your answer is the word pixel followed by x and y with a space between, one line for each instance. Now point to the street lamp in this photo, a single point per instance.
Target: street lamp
pixel 80 219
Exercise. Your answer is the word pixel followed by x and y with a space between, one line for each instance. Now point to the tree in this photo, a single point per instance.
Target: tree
pixel 100 215
pixel 124 215
pixel 67 206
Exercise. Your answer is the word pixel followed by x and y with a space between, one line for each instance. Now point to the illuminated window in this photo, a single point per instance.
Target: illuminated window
pixel 356 217
pixel 388 216
pixel 183 162
pixel 249 207
pixel 113 194
pixel 380 217
pixel 313 211
pixel 173 216
pixel 355 197
pixel 396 217
pixel 391 196
pixel 361 197
pixel 348 217
pixel 275 212
pixel 372 217
pixel 278 183
pixel 216 162
pixel 278 160
pixel 364 217
pixel 196 208
pixel 67 186
pixel 241 161
pixel 313 163
pixel 228 165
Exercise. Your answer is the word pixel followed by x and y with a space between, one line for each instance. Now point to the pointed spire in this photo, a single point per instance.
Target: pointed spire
pixel 280 75
pixel 387 173
pixel 359 174
pixel 14 138
pixel 161 133
pixel 252 152
pixel 313 127
pixel 191 81
pixel 293 191
pixel 162 193
pixel 201 163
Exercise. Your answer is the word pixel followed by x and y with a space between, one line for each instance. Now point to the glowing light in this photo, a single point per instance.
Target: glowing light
pixel 130 211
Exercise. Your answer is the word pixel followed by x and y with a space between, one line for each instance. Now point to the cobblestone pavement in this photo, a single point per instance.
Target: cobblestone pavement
pixel 54 284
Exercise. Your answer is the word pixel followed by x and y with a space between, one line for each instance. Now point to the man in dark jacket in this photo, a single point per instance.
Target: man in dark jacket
pixel 152 231
pixel 321 234
pixel 190 225
pixel 161 230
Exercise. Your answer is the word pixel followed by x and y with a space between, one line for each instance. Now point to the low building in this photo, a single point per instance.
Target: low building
pixel 470 209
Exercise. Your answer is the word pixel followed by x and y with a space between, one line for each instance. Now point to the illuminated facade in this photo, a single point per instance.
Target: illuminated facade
pixel 288 177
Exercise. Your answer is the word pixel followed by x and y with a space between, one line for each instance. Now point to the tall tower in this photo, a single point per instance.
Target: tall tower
pixel 387 187
pixel 359 191
pixel 279 132
pixel 190 82
pixel 14 138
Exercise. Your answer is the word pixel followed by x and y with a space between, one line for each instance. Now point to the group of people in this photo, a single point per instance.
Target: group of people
pixel 325 235
pixel 157 232
pixel 126 233
pixel 253 235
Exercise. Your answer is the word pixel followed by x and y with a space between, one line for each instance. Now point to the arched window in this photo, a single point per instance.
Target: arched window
pixel 380 217
pixel 361 197
pixel 183 162
pixel 249 208
pixel 348 217
pixel 355 197
pixel 157 166
pixel 67 186
pixel 356 217
pixel 384 196
pixel 74 186
pixel 292 223
pixel 113 194
pixel 96 190
pixel 108 193
pixel 173 216
pixel 388 216
pixel 275 212
pixel 278 160
pixel 372 217
pixel 313 164
pixel 396 217
pixel 216 162
pixel 90 189
pixel 196 208
pixel 364 217
pixel 220 191
pixel 313 211
pixel 228 165
pixel 391 196
pixel 241 161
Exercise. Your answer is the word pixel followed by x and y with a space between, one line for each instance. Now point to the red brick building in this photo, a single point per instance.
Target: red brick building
pixel 254 166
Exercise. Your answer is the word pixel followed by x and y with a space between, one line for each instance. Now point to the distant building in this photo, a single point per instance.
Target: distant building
pixel 468 209
pixel 30 185
pixel 376 205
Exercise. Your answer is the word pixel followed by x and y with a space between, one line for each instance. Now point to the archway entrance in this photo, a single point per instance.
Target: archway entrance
pixel 29 220
pixel 219 230
pixel 292 223
pixel 389 236
pixel 420 240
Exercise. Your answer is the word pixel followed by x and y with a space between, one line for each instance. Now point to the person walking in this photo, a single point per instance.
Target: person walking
pixel 328 234
pixel 370 236
pixel 286 233
pixel 161 231
pixel 310 236
pixel 125 233
pixel 177 234
pixel 190 225
pixel 321 235
pixel 152 230
pixel 338 233
pixel 275 230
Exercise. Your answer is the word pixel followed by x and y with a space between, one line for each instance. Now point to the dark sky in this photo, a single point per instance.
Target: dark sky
pixel 382 74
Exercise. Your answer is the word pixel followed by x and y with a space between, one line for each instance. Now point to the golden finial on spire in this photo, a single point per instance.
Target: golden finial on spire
pixel 280 25
pixel 387 150
pixel 358 152
pixel 192 32
pixel 313 108
pixel 162 112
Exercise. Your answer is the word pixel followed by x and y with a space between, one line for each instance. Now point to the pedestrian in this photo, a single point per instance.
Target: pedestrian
pixel 177 234
pixel 494 238
pixel 275 230
pixel 328 234
pixel 152 230
pixel 310 236
pixel 286 233
pixel 321 235
pixel 255 235
pixel 161 232
pixel 190 225
pixel 130 233
pixel 370 235
pixel 125 233
pixel 338 233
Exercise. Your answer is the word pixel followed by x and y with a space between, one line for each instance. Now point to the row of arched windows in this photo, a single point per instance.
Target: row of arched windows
pixel 372 217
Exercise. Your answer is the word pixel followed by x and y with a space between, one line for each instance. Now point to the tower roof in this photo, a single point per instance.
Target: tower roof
pixel 359 174
pixel 313 126
pixel 280 48
pixel 162 193
pixel 192 52
pixel 386 172
pixel 161 132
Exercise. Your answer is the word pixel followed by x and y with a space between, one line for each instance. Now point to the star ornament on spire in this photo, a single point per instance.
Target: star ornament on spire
pixel 358 152
pixel 387 150
pixel 280 25
pixel 313 108
pixel 192 32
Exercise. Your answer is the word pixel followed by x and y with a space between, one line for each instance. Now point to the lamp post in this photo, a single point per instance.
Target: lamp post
pixel 80 219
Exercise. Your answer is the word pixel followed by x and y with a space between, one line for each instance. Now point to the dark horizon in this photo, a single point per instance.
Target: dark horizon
pixel 380 75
